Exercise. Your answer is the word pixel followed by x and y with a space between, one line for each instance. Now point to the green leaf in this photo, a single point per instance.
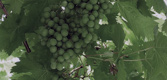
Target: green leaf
pixel 121 75
pixel 158 5
pixel 143 8
pixel 3 55
pixel 141 26
pixel 164 28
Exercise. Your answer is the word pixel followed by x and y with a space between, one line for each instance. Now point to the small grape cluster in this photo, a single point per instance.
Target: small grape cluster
pixel 68 29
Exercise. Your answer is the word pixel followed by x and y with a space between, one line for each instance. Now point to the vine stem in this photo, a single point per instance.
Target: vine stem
pixel 3 7
pixel 76 69
pixel 135 60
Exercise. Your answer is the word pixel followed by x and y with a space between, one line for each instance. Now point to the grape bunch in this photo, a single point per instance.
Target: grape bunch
pixel 68 29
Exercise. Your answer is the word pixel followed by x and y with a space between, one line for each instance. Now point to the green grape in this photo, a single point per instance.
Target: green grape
pixel 97 26
pixel 53 49
pixel 60 59
pixel 72 25
pixel 91 17
pixel 95 13
pixel 94 37
pixel 86 40
pixel 78 44
pixel 101 1
pixel 91 24
pixel 96 7
pixel 44 32
pixel 55 77
pixel 75 38
pixel 101 16
pixel 76 1
pixel 64 3
pixel 42 20
pixel 64 46
pixel 83 5
pixel 55 55
pixel 104 6
pixel 67 10
pixel 53 42
pixel 53 14
pixel 59 44
pixel 90 29
pixel 80 30
pixel 107 0
pixel 66 56
pixel 65 26
pixel 69 44
pixel 107 11
pixel 56 19
pixel 58 36
pixel 72 12
pixel 58 28
pixel 61 51
pixel 65 39
pixel 85 32
pixel 64 32
pixel 89 36
pixel 70 52
pixel 65 64
pixel 70 5
pixel 47 9
pixel 85 20
pixel 93 1
pixel 51 23
pixel 51 31
pixel 46 15
pixel 61 21
pixel 47 20
pixel 89 7
pixel 53 65
pixel 59 67
pixel 101 10
pixel 62 16
pixel 48 44
pixel 78 51
pixel 85 11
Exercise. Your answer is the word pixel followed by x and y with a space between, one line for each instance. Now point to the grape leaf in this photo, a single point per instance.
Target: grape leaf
pixel 158 5
pixel 143 8
pixel 164 28
pixel 141 26
pixel 122 75
pixel 3 55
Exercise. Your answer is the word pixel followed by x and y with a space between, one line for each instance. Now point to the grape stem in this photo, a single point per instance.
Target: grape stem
pixel 76 69
pixel 3 7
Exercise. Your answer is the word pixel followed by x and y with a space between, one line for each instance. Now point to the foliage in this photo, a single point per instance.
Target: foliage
pixel 130 46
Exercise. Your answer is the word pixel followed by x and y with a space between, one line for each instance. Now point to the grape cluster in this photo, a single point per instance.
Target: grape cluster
pixel 68 29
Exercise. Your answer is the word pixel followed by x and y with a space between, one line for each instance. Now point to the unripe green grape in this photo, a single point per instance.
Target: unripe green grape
pixel 58 28
pixel 93 1
pixel 104 5
pixel 96 7
pixel 66 56
pixel 61 21
pixel 78 51
pixel 85 20
pixel 72 12
pixel 64 3
pixel 61 79
pixel 85 11
pixel 53 49
pixel 89 36
pixel 101 1
pixel 91 24
pixel 101 15
pixel 60 59
pixel 86 40
pixel 46 15
pixel 53 14
pixel 80 30
pixel 76 1
pixel 56 19
pixel 51 23
pixel 97 26
pixel 64 32
pixel 58 36
pixel 85 32
pixel 53 65
pixel 42 20
pixel 43 43
pixel 65 64
pixel 75 38
pixel 47 20
pixel 62 16
pixel 53 42
pixel 90 29
pixel 69 44
pixel 89 7
pixel 55 77
pixel 65 39
pixel 55 55
pixel 83 5
pixel 59 67
pixel 67 10
pixel 78 44
pixel 95 13
pixel 95 37
pixel 65 26
pixel 51 31
pixel 47 9
pixel 59 44
pixel 61 51
pixel 70 5
pixel 107 11
pixel 72 25
pixel 91 17
pixel 70 52
pixel 64 46
pixel 101 10
pixel 107 1
pixel 44 32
